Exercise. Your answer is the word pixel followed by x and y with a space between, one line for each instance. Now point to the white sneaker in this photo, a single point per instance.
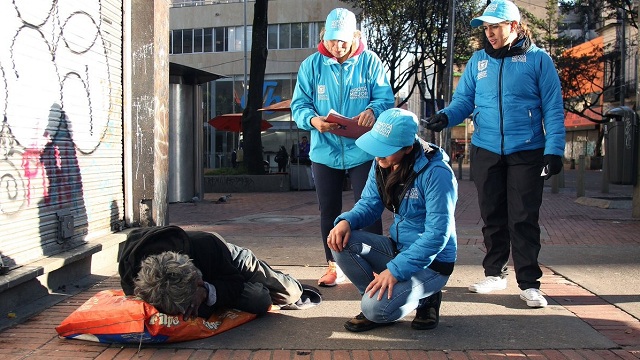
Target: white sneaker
pixel 533 297
pixel 489 284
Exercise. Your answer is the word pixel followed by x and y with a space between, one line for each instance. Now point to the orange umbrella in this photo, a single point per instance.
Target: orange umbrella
pixel 284 105
pixel 233 123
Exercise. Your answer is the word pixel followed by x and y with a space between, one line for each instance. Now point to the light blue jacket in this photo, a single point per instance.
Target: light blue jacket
pixel 424 228
pixel 516 103
pixel 349 88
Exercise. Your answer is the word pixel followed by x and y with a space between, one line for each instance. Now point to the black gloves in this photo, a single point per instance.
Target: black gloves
pixel 552 165
pixel 437 122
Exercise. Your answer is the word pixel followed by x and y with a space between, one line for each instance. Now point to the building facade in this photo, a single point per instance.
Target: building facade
pixel 210 35
pixel 83 140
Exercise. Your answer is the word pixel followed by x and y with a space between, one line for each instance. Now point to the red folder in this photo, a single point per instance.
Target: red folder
pixel 348 127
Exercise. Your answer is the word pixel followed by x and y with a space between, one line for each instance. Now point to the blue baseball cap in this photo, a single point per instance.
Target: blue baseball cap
pixel 340 25
pixel 394 129
pixel 496 12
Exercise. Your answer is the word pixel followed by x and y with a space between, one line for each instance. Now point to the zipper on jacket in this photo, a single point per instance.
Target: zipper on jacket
pixel 500 107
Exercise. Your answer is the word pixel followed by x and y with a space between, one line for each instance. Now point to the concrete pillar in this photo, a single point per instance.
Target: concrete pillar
pixel 145 107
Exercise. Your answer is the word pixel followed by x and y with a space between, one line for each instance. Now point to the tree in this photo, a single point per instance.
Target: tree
pixel 595 11
pixel 410 39
pixel 251 117
pixel 582 68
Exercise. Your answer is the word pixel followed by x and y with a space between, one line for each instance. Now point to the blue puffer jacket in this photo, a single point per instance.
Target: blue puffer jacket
pixel 349 88
pixel 515 102
pixel 423 228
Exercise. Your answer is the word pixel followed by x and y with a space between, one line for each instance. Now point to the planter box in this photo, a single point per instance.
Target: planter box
pixel 246 183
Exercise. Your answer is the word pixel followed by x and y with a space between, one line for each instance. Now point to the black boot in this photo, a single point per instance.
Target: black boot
pixel 428 313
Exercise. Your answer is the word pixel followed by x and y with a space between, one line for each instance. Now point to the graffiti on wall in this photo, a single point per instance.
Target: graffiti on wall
pixel 55 98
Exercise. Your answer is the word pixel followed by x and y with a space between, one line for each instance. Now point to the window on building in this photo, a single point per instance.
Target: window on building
pixel 187 41
pixel 296 36
pixel 207 40
pixel 272 36
pixel 304 37
pixel 284 36
pixel 177 42
pixel 236 38
pixel 197 40
pixel 314 32
pixel 231 39
pixel 220 39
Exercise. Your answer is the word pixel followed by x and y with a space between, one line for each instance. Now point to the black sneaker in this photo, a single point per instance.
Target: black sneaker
pixel 360 323
pixel 428 314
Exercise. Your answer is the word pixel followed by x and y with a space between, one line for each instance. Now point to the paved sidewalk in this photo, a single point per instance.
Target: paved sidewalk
pixel 591 279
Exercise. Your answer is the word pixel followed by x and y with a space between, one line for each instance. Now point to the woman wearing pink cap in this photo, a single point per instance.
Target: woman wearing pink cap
pixel 406 270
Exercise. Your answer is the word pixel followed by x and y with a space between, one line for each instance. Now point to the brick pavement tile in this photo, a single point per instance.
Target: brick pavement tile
pixel 11 353
pixel 281 355
pixel 457 355
pixel 110 353
pixel 201 354
pixel 606 354
pixel 262 355
pixel 553 354
pixel 221 355
pixel 377 355
pixel 589 354
pixel 360 354
pixel 241 355
pixel 477 355
pixel 431 355
pixel 136 353
pixel 534 354
pixel 301 355
pixel 625 355
pixel 419 355
pixel 341 355
pixel 322 355
pixel 399 355
pixel 513 354
pixel 572 354
pixel 63 354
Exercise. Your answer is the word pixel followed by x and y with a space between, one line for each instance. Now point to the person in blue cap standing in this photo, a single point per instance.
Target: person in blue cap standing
pixel 512 91
pixel 351 80
pixel 406 270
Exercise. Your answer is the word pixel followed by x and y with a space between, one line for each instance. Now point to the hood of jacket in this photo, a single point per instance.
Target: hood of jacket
pixel 143 242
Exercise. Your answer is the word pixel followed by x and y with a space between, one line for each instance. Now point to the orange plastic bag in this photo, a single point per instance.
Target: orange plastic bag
pixel 112 317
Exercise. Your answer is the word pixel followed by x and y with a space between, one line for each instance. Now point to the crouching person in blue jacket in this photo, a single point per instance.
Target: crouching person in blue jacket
pixel 406 270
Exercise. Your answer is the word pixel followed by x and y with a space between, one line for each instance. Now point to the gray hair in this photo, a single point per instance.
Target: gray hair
pixel 167 281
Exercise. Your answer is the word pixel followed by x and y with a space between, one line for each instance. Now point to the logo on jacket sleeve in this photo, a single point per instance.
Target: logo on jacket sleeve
pixel 412 194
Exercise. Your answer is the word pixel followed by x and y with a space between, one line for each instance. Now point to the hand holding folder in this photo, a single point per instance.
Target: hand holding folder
pixel 348 126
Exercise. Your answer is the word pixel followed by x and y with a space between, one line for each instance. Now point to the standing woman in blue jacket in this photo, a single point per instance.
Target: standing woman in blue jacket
pixel 351 80
pixel 512 91
pixel 406 270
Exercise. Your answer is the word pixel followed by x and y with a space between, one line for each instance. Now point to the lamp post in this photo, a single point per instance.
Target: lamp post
pixel 446 140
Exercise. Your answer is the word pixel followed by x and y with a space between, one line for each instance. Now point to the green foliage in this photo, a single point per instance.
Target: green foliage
pixel 410 37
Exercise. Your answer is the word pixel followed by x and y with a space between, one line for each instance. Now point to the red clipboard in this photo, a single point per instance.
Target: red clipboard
pixel 348 127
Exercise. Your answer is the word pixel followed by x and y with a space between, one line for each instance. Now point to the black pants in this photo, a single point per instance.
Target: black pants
pixel 510 195
pixel 329 182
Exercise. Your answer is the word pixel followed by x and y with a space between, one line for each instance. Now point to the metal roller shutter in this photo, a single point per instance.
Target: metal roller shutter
pixel 61 172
